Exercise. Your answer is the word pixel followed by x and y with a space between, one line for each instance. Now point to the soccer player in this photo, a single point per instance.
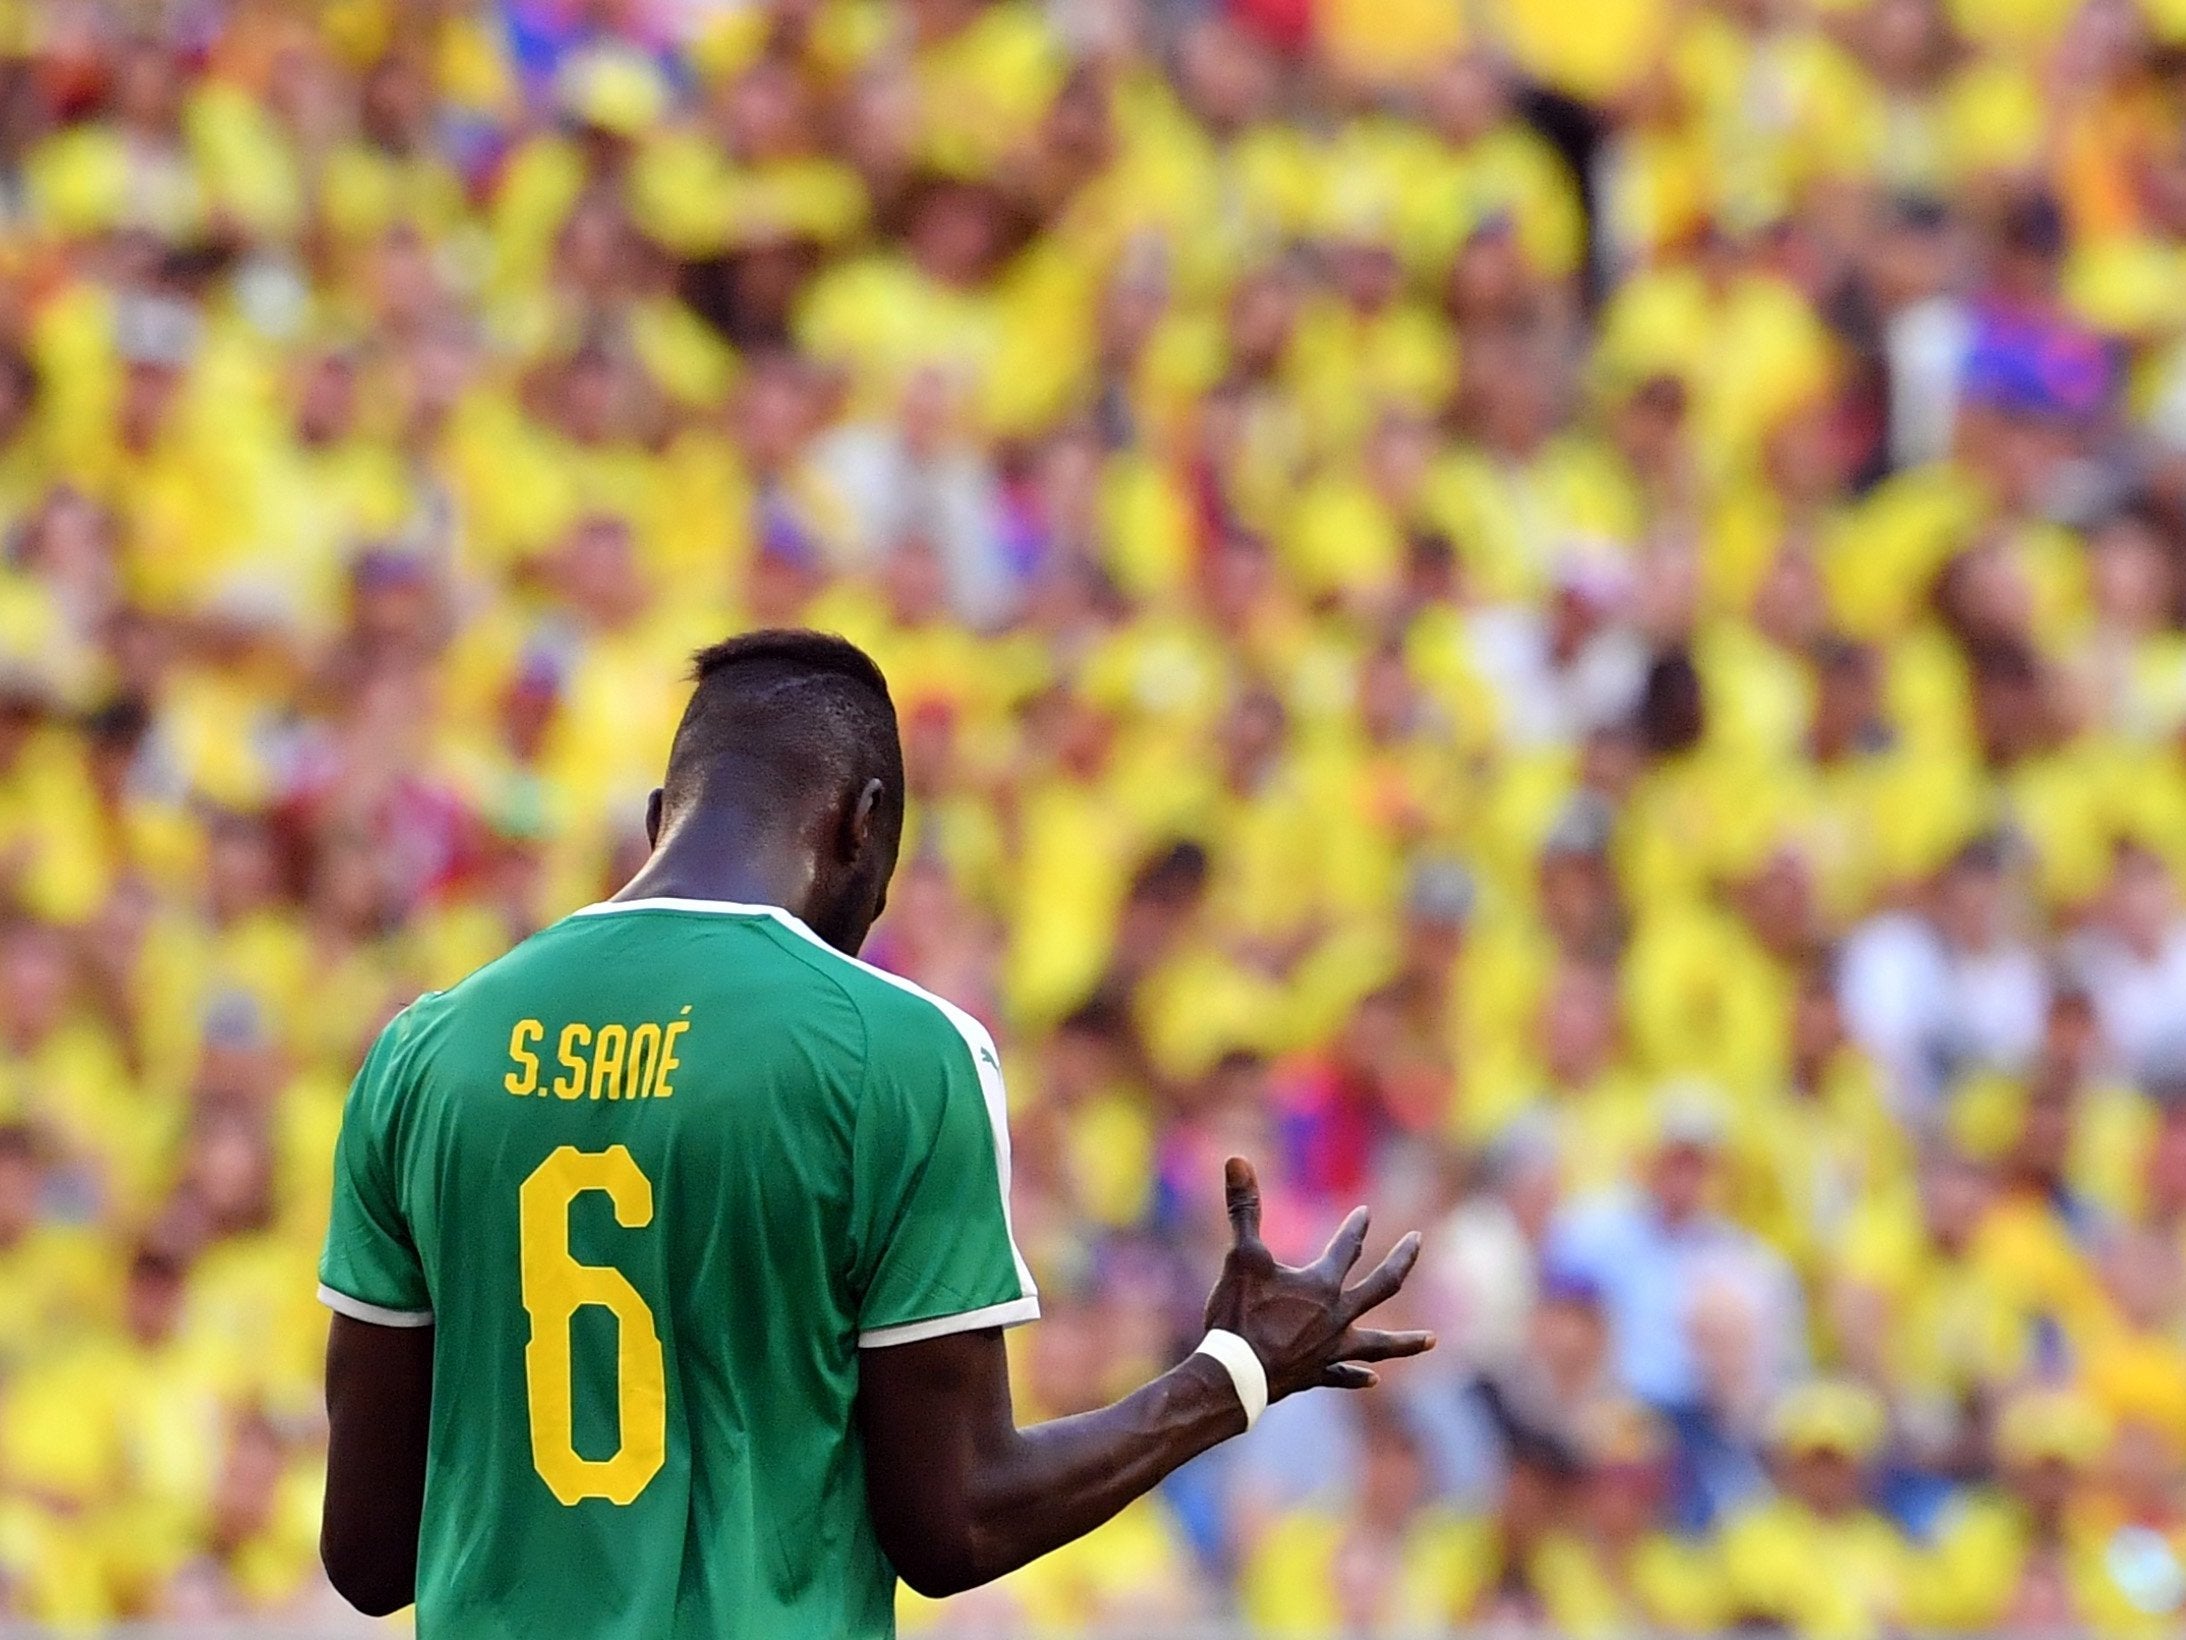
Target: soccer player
pixel 670 1253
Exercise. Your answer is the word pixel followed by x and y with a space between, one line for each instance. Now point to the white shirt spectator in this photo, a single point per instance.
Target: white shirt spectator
pixel 1930 1008
pixel 1660 1282
pixel 2132 963
pixel 1560 671
pixel 918 478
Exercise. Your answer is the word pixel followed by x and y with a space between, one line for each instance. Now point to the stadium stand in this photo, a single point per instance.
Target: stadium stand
pixel 1567 619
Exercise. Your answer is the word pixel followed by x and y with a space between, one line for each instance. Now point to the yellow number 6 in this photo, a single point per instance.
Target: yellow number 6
pixel 556 1287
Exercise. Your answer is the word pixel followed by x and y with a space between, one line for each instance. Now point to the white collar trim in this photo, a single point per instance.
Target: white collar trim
pixel 669 902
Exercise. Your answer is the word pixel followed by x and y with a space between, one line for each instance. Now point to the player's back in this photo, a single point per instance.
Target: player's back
pixel 656 1175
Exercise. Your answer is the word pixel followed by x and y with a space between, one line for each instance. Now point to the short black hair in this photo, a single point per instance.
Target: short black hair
pixel 1673 705
pixel 794 712
pixel 120 722
pixel 1175 874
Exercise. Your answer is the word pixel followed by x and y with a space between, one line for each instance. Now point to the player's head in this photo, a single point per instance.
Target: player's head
pixel 792 736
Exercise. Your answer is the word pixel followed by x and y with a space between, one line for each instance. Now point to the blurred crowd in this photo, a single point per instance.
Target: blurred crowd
pixel 1570 620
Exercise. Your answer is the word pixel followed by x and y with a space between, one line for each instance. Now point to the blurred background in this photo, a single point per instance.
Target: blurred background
pixel 1563 619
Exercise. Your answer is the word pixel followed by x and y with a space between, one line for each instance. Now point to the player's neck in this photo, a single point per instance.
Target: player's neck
pixel 729 859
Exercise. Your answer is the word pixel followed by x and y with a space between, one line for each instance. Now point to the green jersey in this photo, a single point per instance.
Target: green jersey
pixel 656 1177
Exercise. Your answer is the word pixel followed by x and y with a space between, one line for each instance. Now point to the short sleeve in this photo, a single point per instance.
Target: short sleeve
pixel 370 1269
pixel 935 1253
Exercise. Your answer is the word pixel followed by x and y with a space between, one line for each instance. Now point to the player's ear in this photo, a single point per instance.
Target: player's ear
pixel 652 819
pixel 862 823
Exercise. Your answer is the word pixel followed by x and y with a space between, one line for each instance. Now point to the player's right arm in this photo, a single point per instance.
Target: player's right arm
pixel 379 1403
pixel 961 1495
pixel 379 1355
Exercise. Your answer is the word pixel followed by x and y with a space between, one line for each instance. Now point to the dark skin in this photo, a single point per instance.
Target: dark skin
pixel 959 1494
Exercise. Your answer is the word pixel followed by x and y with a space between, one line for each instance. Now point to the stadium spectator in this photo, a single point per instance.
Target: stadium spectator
pixel 1657 1251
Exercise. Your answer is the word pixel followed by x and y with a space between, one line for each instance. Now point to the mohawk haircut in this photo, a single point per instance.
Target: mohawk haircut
pixel 782 714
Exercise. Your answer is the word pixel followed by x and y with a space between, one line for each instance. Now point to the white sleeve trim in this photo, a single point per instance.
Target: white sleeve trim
pixel 987 1065
pixel 1011 1313
pixel 379 1315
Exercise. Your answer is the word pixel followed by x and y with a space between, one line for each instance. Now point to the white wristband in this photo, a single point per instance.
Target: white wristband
pixel 1244 1368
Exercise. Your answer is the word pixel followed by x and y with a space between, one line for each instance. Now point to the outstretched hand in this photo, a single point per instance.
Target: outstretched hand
pixel 1303 1323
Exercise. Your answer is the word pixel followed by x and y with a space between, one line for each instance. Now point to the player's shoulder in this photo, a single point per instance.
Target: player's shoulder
pixel 405 1036
pixel 431 1014
pixel 902 1018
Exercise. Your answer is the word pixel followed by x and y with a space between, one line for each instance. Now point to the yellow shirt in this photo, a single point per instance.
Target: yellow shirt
pixel 1346 365
pixel 697 199
pixel 228 157
pixel 1312 1574
pixel 52 1566
pixel 1602 1129
pixel 1385 43
pixel 56 1283
pixel 1704 998
pixel 1750 348
pixel 1074 858
pixel 323 504
pixel 1109 1148
pixel 1346 540
pixel 1510 519
pixel 1690 824
pixel 1660 1585
pixel 1989 1571
pixel 1133 1570
pixel 1807 1162
pixel 1766 104
pixel 1760 695
pixel 1835 1578
pixel 49 829
pixel 261 1288
pixel 1593 63
pixel 1443 192
pixel 77 1085
pixel 501 468
pixel 621 702
pixel 1229 202
pixel 880 320
pixel 1951 1322
pixel 982 88
pixel 1200 1003
pixel 1265 852
pixel 365 190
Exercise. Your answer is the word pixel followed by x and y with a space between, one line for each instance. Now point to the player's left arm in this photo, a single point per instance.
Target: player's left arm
pixel 961 1495
pixel 379 1399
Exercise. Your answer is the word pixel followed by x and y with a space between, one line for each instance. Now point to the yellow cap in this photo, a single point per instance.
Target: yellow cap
pixel 1829 1415
pixel 1986 1115
pixel 2052 1423
pixel 613 88
pixel 730 42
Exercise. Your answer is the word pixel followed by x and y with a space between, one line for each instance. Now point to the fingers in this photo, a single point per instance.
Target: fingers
pixel 1345 1245
pixel 1241 1191
pixel 1384 1279
pixel 1343 1375
pixel 1369 1344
